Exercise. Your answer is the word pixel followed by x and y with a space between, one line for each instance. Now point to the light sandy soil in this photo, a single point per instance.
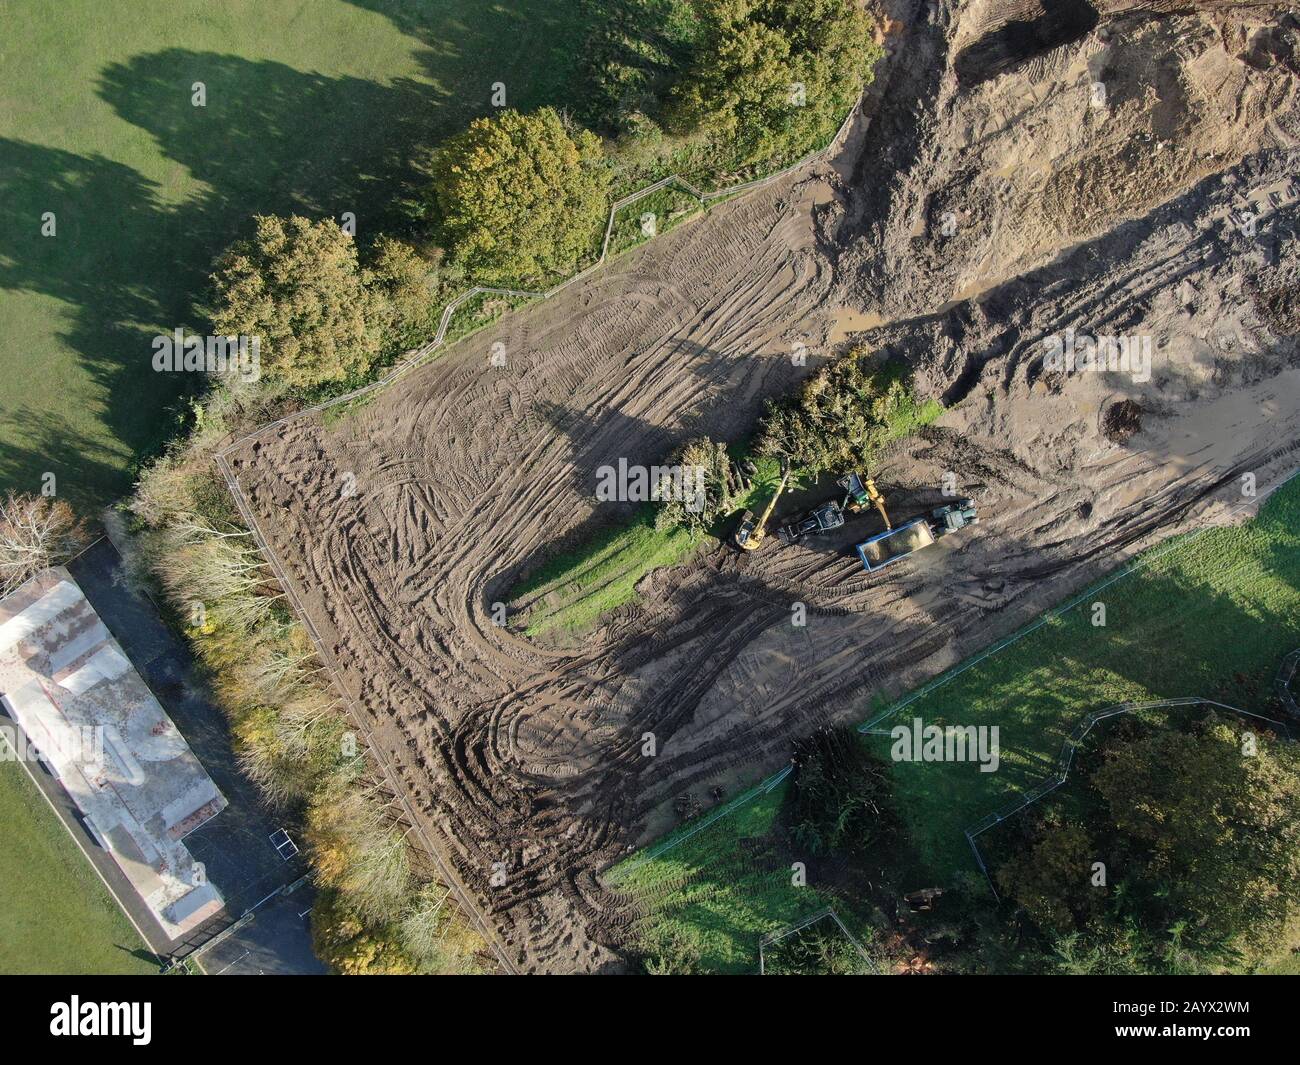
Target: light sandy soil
pixel 526 760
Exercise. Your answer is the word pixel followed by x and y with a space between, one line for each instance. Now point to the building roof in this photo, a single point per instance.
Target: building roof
pixel 81 704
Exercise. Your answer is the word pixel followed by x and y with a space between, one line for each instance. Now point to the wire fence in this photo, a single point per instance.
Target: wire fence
pixel 1065 760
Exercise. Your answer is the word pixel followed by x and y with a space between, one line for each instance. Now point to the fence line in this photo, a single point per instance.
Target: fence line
pixel 1143 561
pixel 418 356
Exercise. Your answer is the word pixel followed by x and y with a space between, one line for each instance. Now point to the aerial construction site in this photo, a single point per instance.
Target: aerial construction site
pixel 1023 187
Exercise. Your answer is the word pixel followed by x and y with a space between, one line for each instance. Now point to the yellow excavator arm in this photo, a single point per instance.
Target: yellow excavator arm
pixel 749 536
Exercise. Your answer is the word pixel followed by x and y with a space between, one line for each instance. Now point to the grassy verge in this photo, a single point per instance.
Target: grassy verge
pixel 77 926
pixel 573 589
pixel 661 211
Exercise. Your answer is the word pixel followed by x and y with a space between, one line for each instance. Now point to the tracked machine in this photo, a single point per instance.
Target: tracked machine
pixel 751 533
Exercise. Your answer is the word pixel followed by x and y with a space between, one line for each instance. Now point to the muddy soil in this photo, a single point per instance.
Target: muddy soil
pixel 1165 211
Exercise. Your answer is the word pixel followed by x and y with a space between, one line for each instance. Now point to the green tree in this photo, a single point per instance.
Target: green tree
pixel 1052 880
pixel 774 77
pixel 520 198
pixel 841 415
pixel 1210 817
pixel 407 290
pixel 297 285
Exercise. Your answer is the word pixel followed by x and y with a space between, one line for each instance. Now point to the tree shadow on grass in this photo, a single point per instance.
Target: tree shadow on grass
pixel 129 264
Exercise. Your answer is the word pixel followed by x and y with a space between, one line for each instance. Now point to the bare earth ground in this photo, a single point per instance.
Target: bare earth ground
pixel 524 761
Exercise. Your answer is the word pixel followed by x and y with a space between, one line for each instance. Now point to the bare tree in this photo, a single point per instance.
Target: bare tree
pixel 35 532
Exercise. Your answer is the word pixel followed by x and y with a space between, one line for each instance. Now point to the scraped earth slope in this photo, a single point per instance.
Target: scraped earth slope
pixel 527 760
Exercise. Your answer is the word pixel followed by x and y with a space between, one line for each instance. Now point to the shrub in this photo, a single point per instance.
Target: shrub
pixel 706 472
pixel 297 285
pixel 842 415
pixel 520 198
pixel 774 77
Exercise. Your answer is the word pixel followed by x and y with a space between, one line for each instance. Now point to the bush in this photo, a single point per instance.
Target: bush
pixel 520 198
pixel 297 285
pixel 706 473
pixel 774 78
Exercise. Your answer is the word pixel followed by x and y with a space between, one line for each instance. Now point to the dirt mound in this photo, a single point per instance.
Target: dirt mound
pixel 1090 275
pixel 1120 421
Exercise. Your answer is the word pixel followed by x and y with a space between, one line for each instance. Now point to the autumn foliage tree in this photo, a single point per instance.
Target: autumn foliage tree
pixel 298 285
pixel 35 532
pixel 774 77
pixel 520 197
pixel 1197 833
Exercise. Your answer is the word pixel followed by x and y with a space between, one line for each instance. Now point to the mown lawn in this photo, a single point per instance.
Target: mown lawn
pixel 58 917
pixel 317 108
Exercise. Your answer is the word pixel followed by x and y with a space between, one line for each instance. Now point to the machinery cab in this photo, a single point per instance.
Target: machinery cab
pixel 821 519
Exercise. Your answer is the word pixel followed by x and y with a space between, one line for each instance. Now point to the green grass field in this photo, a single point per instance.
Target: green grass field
pixel 714 895
pixel 58 917
pixel 317 108
pixel 1208 614
pixel 1212 615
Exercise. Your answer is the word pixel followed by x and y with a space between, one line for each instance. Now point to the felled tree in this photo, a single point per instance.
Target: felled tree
pixel 520 198
pixel 35 532
pixel 297 284
pixel 839 416
pixel 774 77
pixel 698 493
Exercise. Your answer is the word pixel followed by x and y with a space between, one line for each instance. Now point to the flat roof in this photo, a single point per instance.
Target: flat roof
pixel 91 718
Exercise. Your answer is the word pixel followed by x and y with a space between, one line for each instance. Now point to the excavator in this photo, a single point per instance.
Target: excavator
pixel 861 491
pixel 750 534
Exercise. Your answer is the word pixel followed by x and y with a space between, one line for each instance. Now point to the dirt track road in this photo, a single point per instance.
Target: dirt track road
pixel 525 761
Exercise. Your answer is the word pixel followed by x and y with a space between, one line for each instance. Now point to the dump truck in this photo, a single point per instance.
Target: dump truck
pixel 912 536
pixel 751 533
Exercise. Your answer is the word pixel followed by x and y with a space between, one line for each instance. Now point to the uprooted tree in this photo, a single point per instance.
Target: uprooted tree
pixel 697 490
pixel 298 286
pixel 520 198
pixel 35 532
pixel 841 415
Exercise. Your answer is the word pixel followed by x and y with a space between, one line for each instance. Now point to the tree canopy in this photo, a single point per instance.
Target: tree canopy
pixel 520 198
pixel 1198 835
pixel 774 77
pixel 298 285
